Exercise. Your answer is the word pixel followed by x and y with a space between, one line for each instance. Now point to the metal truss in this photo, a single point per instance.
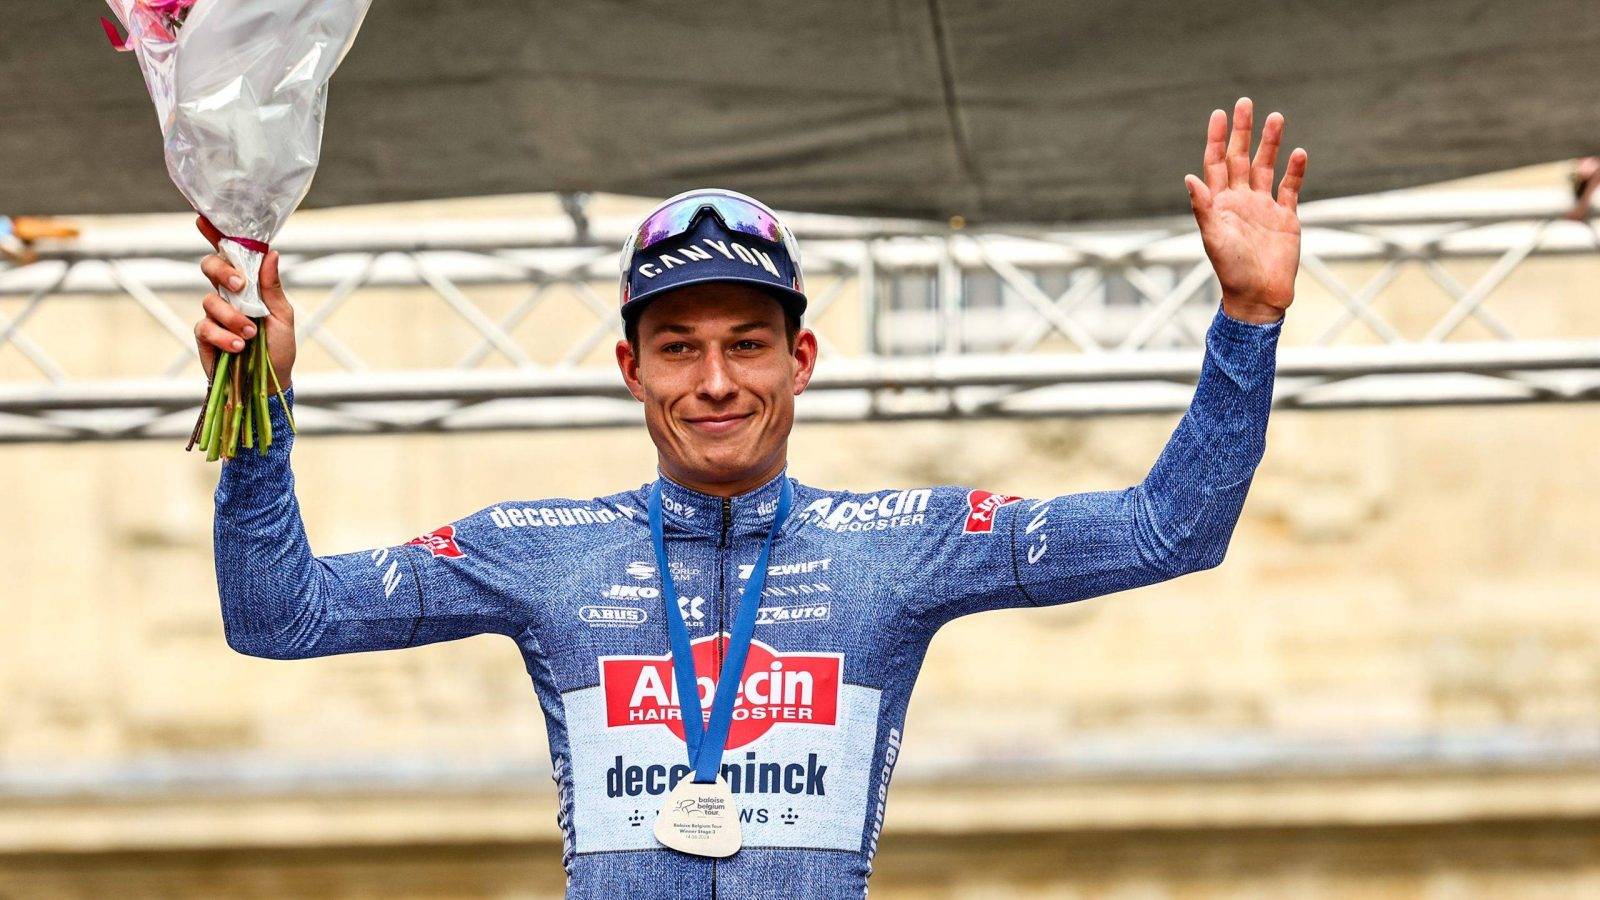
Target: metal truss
pixel 916 321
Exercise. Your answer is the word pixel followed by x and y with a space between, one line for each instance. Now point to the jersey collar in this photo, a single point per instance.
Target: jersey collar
pixel 688 510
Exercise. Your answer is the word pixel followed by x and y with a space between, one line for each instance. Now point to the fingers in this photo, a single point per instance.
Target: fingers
pixel 209 230
pixel 272 293
pixel 1261 169
pixel 1213 166
pixel 228 317
pixel 1293 177
pixel 1239 144
pixel 222 273
pixel 213 337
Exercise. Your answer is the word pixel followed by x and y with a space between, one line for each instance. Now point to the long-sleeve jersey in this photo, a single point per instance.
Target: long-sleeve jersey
pixel 858 583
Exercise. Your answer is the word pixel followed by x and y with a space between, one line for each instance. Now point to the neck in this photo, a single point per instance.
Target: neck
pixel 723 488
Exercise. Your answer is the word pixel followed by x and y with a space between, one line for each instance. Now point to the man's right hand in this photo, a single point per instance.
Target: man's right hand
pixel 224 328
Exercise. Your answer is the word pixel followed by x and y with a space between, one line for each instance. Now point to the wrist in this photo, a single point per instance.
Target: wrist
pixel 1253 312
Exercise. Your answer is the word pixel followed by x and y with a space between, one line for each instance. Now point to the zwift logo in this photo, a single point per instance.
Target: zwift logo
pixel 780 570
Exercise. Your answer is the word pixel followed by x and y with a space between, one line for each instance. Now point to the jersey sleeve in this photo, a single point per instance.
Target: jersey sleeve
pixel 281 602
pixel 991 551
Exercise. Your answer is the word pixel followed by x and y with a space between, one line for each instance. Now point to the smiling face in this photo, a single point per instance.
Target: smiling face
pixel 718 379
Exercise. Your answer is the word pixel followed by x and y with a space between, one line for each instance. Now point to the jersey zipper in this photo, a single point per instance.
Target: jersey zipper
pixel 722 597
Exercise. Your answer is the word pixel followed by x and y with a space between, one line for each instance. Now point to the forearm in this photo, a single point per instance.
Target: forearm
pixel 1193 495
pixel 278 599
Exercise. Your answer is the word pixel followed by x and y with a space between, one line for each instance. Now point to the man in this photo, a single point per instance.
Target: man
pixel 824 601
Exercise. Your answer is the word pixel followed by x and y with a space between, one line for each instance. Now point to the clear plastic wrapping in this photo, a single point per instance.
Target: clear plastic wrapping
pixel 240 88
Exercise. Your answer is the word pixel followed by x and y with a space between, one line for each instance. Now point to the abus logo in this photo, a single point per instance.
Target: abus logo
pixel 981 509
pixel 777 688
pixel 614 616
pixel 441 540
pixel 892 510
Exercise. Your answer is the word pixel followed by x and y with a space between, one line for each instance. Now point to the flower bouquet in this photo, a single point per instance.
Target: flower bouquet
pixel 240 89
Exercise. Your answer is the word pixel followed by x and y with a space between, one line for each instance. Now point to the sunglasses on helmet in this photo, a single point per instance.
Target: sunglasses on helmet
pixel 677 215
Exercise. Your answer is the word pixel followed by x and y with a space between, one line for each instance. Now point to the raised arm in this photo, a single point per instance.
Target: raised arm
pixel 989 553
pixel 279 600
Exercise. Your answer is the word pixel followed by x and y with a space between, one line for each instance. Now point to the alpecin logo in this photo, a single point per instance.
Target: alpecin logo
pixel 778 688
pixel 982 507
pixel 441 540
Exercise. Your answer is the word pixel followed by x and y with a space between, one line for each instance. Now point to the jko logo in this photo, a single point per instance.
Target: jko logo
pixel 749 776
pixel 777 688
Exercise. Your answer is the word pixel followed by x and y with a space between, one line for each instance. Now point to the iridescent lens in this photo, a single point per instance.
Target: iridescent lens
pixel 737 215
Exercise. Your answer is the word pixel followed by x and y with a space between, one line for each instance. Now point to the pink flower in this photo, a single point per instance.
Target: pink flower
pixel 171 8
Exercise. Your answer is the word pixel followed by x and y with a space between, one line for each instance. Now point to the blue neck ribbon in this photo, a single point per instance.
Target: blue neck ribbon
pixel 707 739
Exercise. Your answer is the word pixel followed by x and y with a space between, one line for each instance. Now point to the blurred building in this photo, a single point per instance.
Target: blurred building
pixel 1391 688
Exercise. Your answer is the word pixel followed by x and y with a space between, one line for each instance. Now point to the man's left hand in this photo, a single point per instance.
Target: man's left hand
pixel 1252 239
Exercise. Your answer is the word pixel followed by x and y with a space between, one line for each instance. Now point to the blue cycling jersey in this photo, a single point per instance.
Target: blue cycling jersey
pixel 857 585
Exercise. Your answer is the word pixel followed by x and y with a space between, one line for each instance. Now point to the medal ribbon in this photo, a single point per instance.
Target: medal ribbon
pixel 706 740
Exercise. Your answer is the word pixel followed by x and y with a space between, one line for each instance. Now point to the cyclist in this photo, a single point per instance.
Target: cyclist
pixel 724 655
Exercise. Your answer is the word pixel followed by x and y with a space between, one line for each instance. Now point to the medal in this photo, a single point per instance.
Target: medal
pixel 700 819
pixel 700 816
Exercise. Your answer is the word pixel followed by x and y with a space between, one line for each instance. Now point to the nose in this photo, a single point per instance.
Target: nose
pixel 716 382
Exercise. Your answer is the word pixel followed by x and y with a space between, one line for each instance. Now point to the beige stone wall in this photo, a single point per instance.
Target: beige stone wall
pixel 1397 574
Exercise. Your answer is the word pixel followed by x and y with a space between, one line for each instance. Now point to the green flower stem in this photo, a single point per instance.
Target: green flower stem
pixel 214 446
pixel 247 433
pixel 247 406
pixel 279 388
pixel 260 399
pixel 238 401
pixel 235 414
pixel 219 380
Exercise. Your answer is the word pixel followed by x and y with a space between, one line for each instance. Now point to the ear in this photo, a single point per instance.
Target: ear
pixel 629 365
pixel 805 358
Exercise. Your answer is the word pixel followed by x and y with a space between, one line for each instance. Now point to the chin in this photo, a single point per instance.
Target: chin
pixel 722 464
pixel 726 467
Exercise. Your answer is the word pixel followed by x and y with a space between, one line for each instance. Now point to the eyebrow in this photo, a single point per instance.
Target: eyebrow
pixel 671 328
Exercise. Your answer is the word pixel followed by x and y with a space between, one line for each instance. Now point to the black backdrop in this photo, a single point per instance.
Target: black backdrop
pixel 1021 110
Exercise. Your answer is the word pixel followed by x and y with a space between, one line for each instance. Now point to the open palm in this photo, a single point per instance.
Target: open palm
pixel 1251 238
